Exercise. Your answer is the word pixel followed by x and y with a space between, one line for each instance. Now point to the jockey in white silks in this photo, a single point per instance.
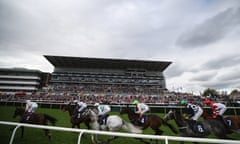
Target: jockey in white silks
pixel 141 109
pixel 80 107
pixel 30 109
pixel 103 111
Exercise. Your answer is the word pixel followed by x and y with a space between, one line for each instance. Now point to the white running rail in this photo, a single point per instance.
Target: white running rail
pixel 120 134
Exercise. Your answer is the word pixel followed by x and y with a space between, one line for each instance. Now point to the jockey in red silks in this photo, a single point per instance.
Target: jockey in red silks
pixel 218 108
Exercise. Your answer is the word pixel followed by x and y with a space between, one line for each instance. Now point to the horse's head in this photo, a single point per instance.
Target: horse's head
pixel 126 110
pixel 93 114
pixel 65 107
pixel 169 116
pixel 123 110
pixel 206 115
pixel 18 112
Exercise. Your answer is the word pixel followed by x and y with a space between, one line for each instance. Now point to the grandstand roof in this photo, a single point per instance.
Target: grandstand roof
pixel 106 63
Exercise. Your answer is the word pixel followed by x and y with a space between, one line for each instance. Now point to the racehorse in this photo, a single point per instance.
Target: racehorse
pixel 200 129
pixel 39 119
pixel 77 121
pixel 231 122
pixel 113 123
pixel 151 120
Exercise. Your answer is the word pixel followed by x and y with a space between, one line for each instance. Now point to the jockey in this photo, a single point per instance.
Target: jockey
pixel 142 108
pixel 80 107
pixel 218 108
pixel 103 111
pixel 30 109
pixel 194 111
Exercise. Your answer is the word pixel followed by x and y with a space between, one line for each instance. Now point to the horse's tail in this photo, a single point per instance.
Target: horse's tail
pixel 170 126
pixel 51 119
pixel 131 128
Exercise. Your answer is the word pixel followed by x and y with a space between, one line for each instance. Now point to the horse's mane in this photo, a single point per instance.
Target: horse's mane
pixel 131 112
pixel 20 110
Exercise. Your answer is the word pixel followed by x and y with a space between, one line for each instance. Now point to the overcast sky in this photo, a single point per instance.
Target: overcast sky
pixel 200 37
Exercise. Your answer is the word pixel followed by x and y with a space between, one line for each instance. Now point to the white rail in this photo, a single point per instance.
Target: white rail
pixel 81 131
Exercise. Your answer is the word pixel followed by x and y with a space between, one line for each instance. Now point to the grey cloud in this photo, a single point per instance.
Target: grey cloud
pixel 212 30
pixel 174 70
pixel 222 62
pixel 221 84
pixel 204 77
pixel 230 76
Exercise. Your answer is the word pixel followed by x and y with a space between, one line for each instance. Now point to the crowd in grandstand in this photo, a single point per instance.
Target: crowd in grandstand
pixel 51 96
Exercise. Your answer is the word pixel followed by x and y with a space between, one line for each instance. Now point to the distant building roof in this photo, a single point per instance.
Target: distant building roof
pixel 106 63
pixel 20 69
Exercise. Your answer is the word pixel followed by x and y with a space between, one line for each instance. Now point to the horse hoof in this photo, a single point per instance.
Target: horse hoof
pixel 49 137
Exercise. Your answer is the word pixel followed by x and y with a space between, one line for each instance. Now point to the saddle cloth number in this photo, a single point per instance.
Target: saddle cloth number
pixel 200 128
pixel 229 122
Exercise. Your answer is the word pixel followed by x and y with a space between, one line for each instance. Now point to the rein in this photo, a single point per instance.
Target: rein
pixel 184 127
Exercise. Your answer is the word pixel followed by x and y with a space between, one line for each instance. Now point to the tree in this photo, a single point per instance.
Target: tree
pixel 210 92
pixel 235 92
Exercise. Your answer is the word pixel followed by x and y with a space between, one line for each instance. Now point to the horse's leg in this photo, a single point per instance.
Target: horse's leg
pixel 22 129
pixel 47 133
pixel 141 140
pixel 157 132
pixel 95 139
pixel 73 125
pixel 87 124
pixel 109 140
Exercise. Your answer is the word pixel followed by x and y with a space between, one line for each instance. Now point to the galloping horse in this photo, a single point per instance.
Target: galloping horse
pixel 202 129
pixel 77 121
pixel 232 122
pixel 40 119
pixel 151 120
pixel 113 123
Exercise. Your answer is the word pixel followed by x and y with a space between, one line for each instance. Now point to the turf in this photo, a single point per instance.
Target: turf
pixel 36 136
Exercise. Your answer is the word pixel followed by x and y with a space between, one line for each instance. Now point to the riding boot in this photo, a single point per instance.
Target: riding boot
pixel 141 120
pixel 100 120
pixel 28 117
pixel 194 122
pixel 221 119
pixel 78 115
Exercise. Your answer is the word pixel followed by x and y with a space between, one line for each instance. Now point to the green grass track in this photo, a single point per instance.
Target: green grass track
pixel 36 136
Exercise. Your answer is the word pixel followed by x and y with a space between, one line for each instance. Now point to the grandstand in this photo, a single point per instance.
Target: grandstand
pixel 21 81
pixel 78 76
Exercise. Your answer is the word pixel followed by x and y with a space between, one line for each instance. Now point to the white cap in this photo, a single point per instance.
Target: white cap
pixel 80 103
pixel 75 101
pixel 96 104
pixel 28 101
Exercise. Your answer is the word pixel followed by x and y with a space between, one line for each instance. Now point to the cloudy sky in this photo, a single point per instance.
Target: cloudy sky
pixel 201 38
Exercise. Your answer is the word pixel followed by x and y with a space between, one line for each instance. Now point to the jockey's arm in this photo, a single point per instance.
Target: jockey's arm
pixel 99 111
pixel 82 107
pixel 139 109
pixel 28 106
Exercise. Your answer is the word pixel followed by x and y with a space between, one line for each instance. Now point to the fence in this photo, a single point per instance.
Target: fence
pixel 82 131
